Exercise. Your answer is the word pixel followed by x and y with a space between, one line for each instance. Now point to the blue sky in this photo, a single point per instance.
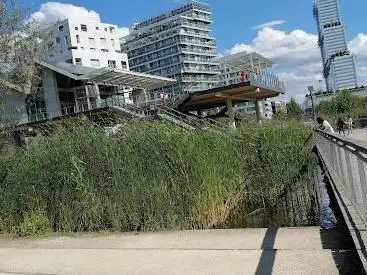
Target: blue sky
pixel 292 45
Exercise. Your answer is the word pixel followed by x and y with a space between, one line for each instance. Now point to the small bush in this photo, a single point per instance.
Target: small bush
pixel 35 223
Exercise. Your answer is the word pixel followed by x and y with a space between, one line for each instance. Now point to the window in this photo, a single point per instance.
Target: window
pixel 104 50
pixel 103 42
pixel 93 49
pixel 58 40
pixel 78 61
pixel 105 29
pixel 113 43
pixel 112 30
pixel 83 28
pixel 82 48
pixel 69 61
pixel 91 41
pixel 124 64
pixel 97 28
pixel 76 28
pixel 61 28
pixel 95 63
pixel 78 39
pixel 66 42
pixel 112 63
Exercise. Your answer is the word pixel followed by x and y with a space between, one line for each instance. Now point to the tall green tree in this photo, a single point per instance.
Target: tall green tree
pixel 294 110
pixel 20 40
pixel 344 103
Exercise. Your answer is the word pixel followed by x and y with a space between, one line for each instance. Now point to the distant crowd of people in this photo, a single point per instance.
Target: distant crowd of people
pixel 342 125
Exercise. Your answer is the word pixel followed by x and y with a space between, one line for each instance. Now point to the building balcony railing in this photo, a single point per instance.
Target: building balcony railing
pixel 198 50
pixel 198 60
pixel 204 18
pixel 200 43
pixel 195 26
pixel 199 79
pixel 197 34
pixel 266 80
pixel 200 70
pixel 262 79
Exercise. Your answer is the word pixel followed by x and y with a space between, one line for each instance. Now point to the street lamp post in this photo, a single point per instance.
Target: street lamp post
pixel 311 90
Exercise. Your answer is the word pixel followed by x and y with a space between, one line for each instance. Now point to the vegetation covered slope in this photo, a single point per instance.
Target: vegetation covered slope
pixel 149 176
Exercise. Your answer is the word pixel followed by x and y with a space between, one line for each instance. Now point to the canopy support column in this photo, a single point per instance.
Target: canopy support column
pixel 87 97
pixel 232 123
pixel 98 95
pixel 257 109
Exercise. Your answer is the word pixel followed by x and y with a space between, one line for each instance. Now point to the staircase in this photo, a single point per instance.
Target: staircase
pixel 127 111
pixel 188 121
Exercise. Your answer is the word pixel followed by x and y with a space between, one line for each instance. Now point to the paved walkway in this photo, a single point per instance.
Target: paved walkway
pixel 359 134
pixel 244 251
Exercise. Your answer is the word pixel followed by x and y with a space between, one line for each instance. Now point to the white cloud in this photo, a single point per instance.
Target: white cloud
pixel 269 24
pixel 358 46
pixel 51 12
pixel 297 56
pixel 284 48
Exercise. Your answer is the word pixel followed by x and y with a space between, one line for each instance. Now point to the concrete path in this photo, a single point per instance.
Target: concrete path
pixel 244 251
pixel 359 134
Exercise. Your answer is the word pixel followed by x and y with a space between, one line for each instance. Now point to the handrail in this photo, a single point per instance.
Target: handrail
pixel 184 120
pixel 207 122
pixel 345 161
pixel 355 147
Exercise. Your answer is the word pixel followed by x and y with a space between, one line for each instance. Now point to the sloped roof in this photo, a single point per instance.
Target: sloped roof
pixel 107 76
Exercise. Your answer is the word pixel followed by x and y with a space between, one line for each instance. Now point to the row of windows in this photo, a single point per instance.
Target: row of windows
pixel 165 42
pixel 84 28
pixel 96 63
pixel 153 47
pixel 92 41
pixel 155 55
pixel 94 50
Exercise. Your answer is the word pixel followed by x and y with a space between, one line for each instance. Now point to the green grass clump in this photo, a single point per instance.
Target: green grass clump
pixel 35 223
pixel 149 176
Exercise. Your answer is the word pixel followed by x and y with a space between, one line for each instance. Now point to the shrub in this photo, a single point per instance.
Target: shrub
pixel 35 223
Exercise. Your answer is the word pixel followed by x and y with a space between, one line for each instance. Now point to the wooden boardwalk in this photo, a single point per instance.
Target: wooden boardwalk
pixel 244 251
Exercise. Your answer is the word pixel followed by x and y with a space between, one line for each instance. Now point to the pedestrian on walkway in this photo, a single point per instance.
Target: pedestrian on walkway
pixel 324 125
pixel 341 126
pixel 349 125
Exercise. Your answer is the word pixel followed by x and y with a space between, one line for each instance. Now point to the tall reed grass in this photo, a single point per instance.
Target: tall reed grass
pixel 148 176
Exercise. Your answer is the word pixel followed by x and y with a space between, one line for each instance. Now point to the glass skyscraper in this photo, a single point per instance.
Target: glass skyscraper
pixel 338 63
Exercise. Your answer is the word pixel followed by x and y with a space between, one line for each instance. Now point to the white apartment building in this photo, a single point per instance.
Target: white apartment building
pixel 86 43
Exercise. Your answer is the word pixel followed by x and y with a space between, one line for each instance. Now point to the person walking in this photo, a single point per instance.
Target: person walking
pixel 324 125
pixel 349 125
pixel 341 126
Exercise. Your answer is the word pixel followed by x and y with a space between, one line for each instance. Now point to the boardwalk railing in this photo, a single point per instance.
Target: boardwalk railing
pixel 348 161
pixel 346 164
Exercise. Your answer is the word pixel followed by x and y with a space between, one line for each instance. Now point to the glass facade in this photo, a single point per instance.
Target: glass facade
pixel 338 63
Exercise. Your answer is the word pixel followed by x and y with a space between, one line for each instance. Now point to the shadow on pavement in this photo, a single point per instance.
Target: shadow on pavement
pixel 339 240
pixel 268 254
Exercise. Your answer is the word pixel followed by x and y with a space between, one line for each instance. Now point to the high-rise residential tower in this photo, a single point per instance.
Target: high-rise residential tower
pixel 176 44
pixel 338 63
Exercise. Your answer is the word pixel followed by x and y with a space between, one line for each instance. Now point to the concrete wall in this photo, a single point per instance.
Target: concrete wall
pixel 12 107
pixel 51 93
